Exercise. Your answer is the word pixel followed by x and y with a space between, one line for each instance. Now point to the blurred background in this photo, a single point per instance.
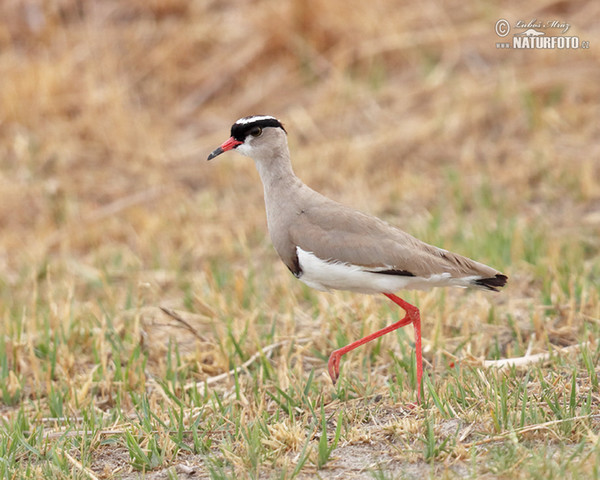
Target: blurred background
pixel 108 110
pixel 408 111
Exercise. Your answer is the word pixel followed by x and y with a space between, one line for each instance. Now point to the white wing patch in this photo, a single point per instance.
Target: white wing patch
pixel 330 275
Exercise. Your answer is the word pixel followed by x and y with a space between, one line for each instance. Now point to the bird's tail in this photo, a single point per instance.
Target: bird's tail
pixel 491 283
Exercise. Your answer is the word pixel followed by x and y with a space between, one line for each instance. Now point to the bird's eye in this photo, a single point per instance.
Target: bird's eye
pixel 256 132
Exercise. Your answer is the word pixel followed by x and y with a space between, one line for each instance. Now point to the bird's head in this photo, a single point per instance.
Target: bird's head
pixel 254 136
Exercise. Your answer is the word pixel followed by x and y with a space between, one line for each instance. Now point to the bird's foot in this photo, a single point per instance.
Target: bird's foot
pixel 333 366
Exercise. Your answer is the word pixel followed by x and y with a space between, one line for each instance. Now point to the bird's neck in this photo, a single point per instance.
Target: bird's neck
pixel 281 193
pixel 276 171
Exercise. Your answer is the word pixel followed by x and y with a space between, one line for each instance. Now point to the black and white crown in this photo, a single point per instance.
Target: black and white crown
pixel 241 128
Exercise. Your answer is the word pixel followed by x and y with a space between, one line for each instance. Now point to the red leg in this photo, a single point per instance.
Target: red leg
pixel 412 316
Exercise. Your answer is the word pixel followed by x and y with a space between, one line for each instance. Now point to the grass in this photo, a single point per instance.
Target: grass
pixel 147 327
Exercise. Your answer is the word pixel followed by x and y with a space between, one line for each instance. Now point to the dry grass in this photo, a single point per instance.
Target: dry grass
pixel 108 211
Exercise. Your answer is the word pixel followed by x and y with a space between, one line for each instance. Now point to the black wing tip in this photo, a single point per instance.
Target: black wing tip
pixel 492 283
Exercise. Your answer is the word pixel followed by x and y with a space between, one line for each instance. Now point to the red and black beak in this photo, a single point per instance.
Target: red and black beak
pixel 227 145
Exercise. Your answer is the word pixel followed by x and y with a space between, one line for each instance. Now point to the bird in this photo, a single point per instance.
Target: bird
pixel 330 246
